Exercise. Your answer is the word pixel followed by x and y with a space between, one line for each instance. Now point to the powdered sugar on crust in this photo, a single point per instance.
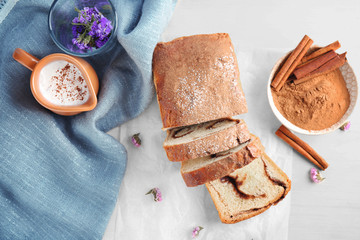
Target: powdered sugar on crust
pixel 191 90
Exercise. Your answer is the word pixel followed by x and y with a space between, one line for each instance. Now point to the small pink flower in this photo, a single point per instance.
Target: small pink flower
pixel 316 176
pixel 346 126
pixel 135 139
pixel 196 231
pixel 156 193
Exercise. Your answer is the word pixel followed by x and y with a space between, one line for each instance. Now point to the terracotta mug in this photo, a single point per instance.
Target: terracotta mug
pixel 35 65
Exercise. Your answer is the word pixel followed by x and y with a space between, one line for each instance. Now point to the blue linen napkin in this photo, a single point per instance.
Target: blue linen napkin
pixel 60 176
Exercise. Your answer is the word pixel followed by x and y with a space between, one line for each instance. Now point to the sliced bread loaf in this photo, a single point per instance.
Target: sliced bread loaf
pixel 205 169
pixel 204 139
pixel 249 191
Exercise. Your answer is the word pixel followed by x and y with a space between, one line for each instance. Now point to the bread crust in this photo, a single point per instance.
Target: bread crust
pixel 197 80
pixel 234 218
pixel 214 143
pixel 224 166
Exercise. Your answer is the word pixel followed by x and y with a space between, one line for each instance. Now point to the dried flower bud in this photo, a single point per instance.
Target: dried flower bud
pixel 316 176
pixel 196 231
pixel 135 139
pixel 156 193
pixel 346 126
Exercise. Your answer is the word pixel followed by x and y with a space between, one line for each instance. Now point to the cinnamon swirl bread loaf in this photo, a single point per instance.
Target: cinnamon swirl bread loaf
pixel 198 90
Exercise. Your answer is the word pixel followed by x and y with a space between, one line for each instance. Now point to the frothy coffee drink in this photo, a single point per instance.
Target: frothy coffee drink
pixel 62 83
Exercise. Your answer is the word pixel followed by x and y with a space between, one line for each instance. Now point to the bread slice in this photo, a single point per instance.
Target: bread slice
pixel 204 139
pixel 205 169
pixel 197 80
pixel 249 191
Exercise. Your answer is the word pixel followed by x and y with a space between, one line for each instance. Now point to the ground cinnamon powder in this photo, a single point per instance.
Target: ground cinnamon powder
pixel 315 104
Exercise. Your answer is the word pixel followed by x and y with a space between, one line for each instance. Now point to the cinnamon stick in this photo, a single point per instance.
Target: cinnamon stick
pixel 295 63
pixel 313 65
pixel 333 46
pixel 329 66
pixel 291 62
pixel 293 66
pixel 301 147
pixel 297 148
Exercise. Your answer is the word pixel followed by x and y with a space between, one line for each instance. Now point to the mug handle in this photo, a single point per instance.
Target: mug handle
pixel 25 58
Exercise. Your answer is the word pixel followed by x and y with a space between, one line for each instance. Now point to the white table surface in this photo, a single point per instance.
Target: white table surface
pixel 330 210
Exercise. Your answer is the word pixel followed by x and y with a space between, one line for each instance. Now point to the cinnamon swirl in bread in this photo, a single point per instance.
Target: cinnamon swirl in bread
pixel 249 191
pixel 201 170
pixel 204 139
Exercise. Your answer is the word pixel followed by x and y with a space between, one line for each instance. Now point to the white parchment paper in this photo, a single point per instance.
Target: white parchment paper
pixel 137 216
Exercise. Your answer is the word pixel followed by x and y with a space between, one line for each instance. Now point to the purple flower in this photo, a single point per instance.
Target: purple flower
pixel 315 175
pixel 103 28
pixel 196 231
pixel 156 193
pixel 99 43
pixel 90 29
pixel 99 13
pixel 76 30
pixel 92 32
pixel 346 126
pixel 135 139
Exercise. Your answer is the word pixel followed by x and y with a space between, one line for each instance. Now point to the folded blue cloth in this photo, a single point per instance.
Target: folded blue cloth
pixel 60 176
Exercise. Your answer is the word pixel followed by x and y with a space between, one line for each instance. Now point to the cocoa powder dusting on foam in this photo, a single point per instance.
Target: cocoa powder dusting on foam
pixel 67 87
pixel 316 104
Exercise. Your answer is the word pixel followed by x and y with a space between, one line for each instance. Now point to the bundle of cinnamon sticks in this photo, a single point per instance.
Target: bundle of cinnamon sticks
pixel 302 147
pixel 304 67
